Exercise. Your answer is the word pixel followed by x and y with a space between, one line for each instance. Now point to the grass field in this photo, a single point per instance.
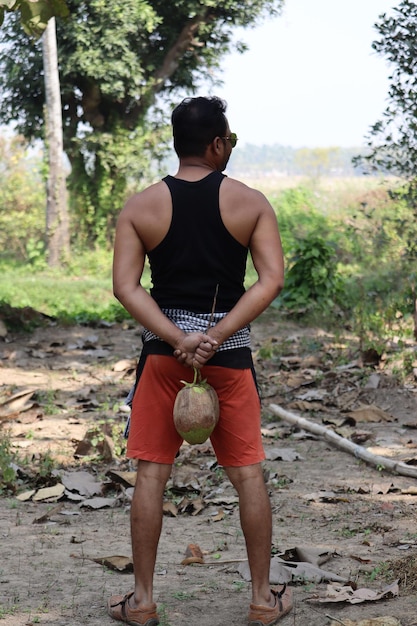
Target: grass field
pixel 83 290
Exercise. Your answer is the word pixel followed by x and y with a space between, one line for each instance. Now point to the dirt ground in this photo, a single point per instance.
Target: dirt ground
pixel 56 552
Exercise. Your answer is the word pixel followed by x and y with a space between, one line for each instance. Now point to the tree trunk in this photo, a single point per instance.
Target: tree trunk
pixel 57 221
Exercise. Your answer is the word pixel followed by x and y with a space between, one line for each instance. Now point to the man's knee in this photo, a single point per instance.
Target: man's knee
pixel 247 474
pixel 155 473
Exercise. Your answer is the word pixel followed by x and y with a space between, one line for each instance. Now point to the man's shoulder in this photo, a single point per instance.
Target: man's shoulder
pixel 148 196
pixel 154 189
pixel 242 191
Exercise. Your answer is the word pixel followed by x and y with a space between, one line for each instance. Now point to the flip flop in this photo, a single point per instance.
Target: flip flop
pixel 268 615
pixel 118 608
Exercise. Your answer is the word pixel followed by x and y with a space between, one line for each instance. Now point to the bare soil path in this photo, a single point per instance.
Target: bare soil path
pixel 60 384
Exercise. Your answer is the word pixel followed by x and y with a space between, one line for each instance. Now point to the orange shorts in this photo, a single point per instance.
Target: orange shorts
pixel 236 440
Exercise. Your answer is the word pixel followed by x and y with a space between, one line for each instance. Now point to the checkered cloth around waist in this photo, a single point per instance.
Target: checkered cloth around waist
pixel 198 322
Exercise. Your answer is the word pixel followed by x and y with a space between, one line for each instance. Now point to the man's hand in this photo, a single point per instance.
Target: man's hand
pixel 195 349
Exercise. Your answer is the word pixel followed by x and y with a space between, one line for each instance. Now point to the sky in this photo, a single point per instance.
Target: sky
pixel 310 77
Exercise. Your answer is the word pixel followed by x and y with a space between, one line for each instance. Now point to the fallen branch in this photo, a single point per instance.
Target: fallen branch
pixel 344 444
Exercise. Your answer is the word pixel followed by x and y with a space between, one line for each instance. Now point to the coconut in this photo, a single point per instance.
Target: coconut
pixel 196 410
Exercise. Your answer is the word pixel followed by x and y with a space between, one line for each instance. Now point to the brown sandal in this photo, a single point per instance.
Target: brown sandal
pixel 268 615
pixel 118 608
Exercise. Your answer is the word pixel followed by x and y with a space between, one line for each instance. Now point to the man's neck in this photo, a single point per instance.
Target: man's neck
pixel 194 168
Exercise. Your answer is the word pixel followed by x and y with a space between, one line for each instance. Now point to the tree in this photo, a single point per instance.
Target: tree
pixel 34 14
pixel 57 221
pixel 22 201
pixel 37 18
pixel 316 162
pixel 392 141
pixel 120 64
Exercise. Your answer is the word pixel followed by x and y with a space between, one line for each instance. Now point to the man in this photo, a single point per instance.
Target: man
pixel 196 229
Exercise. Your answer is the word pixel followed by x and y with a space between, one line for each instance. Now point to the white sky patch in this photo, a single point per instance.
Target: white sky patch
pixel 310 77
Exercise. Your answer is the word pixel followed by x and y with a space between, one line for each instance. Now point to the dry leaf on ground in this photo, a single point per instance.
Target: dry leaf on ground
pixel 376 621
pixel 337 593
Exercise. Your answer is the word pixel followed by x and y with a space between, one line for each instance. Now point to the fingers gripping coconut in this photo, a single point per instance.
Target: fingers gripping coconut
pixel 196 407
pixel 196 410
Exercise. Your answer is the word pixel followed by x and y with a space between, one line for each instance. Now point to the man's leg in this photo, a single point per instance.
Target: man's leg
pixel 256 521
pixel 146 524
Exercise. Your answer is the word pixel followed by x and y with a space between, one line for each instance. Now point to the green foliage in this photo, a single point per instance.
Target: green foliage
pixel 7 458
pixel 392 141
pixel 378 264
pixel 124 162
pixel 358 256
pixel 309 241
pixel 80 293
pixel 404 220
pixel 64 298
pixel 312 279
pixel 44 468
pixel 381 306
pixel 34 14
pixel 47 400
pixel 362 266
pixel 379 289
pixel 382 570
pixel 35 253
pixel 112 428
pixel 298 216
pixel 119 62
pixel 37 472
pixel 22 202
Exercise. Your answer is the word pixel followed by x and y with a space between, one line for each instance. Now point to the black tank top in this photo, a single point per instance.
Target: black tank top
pixel 198 252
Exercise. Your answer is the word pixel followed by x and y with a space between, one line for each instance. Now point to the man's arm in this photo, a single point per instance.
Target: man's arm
pixel 128 264
pixel 266 250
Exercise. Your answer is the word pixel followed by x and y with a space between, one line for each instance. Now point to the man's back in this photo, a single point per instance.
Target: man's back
pixel 150 211
pixel 198 257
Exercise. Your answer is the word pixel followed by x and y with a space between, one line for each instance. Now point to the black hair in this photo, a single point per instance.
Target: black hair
pixel 196 122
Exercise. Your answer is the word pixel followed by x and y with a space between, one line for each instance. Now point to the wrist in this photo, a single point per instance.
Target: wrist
pixel 178 339
pixel 216 336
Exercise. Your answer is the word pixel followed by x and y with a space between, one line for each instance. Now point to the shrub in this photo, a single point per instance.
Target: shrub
pixel 312 279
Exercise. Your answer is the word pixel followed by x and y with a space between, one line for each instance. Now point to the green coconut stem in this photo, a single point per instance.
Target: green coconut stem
pixel 196 380
pixel 197 377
